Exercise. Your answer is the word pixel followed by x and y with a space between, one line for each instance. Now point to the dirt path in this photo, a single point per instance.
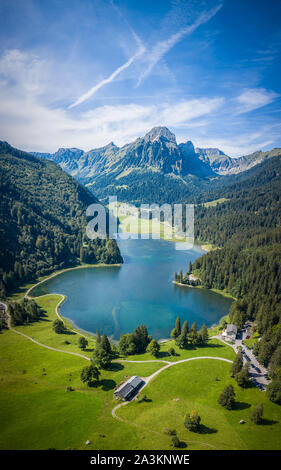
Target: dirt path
pixel 40 344
pixel 150 377
pixel 145 379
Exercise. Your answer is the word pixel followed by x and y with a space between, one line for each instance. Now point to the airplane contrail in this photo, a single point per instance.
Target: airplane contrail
pixel 109 79
pixel 157 52
pixel 94 89
pixel 162 47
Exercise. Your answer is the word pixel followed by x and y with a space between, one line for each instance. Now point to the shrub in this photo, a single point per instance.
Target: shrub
pixel 226 398
pixel 171 351
pixel 82 342
pixel 58 326
pixel 175 442
pixel 257 413
pixel 192 421
pixel 273 391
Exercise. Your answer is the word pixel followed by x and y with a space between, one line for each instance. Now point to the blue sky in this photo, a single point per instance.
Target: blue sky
pixel 83 73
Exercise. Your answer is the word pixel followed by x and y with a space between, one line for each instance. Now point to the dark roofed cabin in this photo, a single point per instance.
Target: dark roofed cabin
pixel 127 390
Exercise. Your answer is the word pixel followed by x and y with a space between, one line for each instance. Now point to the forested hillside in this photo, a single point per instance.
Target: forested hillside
pixel 42 220
pixel 247 264
pixel 253 205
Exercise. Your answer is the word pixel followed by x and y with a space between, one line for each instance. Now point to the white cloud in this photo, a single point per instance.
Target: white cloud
pixel 162 47
pixel 23 70
pixel 254 98
pixel 30 125
pixel 28 122
pixel 241 144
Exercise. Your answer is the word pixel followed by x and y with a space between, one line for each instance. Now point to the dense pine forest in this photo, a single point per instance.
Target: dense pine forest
pixel 42 214
pixel 246 230
pixel 253 205
pixel 43 221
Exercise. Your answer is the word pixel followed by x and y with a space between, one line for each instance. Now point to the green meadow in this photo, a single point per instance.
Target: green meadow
pixel 196 385
pixel 37 411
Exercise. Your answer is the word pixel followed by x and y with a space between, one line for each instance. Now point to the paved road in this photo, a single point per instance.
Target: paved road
pixel 248 356
pixel 257 377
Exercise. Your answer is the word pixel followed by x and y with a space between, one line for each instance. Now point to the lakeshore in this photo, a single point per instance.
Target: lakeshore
pixel 114 301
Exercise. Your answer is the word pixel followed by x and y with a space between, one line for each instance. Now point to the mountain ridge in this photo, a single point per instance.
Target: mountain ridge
pixel 157 149
pixel 152 168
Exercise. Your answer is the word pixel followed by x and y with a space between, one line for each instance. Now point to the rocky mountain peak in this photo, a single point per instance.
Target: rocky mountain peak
pixel 156 132
pixel 187 148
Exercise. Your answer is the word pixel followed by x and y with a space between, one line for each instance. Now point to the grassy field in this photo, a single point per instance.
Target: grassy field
pixel 215 202
pixel 213 348
pixel 36 411
pixel 191 386
pixel 42 331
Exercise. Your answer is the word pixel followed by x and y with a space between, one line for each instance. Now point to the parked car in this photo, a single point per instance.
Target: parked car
pixel 247 337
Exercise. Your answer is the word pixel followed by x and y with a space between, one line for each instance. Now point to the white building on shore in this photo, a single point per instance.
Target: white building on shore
pixel 230 332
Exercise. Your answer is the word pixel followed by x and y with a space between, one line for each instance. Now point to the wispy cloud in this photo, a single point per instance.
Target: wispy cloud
pixel 152 57
pixel 40 126
pixel 109 79
pixel 242 144
pixel 254 98
pixel 30 120
pixel 119 70
pixel 162 47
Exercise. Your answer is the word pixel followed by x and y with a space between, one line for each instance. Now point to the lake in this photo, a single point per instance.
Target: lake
pixel 114 300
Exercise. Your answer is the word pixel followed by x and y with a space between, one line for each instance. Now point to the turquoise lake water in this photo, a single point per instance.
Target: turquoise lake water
pixel 114 300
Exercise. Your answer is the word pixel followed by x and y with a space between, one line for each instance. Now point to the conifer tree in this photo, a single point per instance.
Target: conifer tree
pixel 105 344
pixel 237 364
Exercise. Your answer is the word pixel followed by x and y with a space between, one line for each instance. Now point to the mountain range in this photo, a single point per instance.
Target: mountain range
pixel 155 159
pixel 158 149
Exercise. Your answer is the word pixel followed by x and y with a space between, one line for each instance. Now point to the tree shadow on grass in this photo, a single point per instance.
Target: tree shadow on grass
pixel 206 430
pixel 268 422
pixel 69 333
pixel 210 345
pixel 107 384
pixel 182 445
pixel 43 315
pixel 163 354
pixel 144 400
pixel 88 350
pixel 115 367
pixel 238 405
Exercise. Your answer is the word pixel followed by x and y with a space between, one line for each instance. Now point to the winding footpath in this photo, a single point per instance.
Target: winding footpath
pixel 37 342
pixel 146 380
pixel 168 364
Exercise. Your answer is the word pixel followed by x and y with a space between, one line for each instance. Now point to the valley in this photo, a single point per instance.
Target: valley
pixel 237 222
